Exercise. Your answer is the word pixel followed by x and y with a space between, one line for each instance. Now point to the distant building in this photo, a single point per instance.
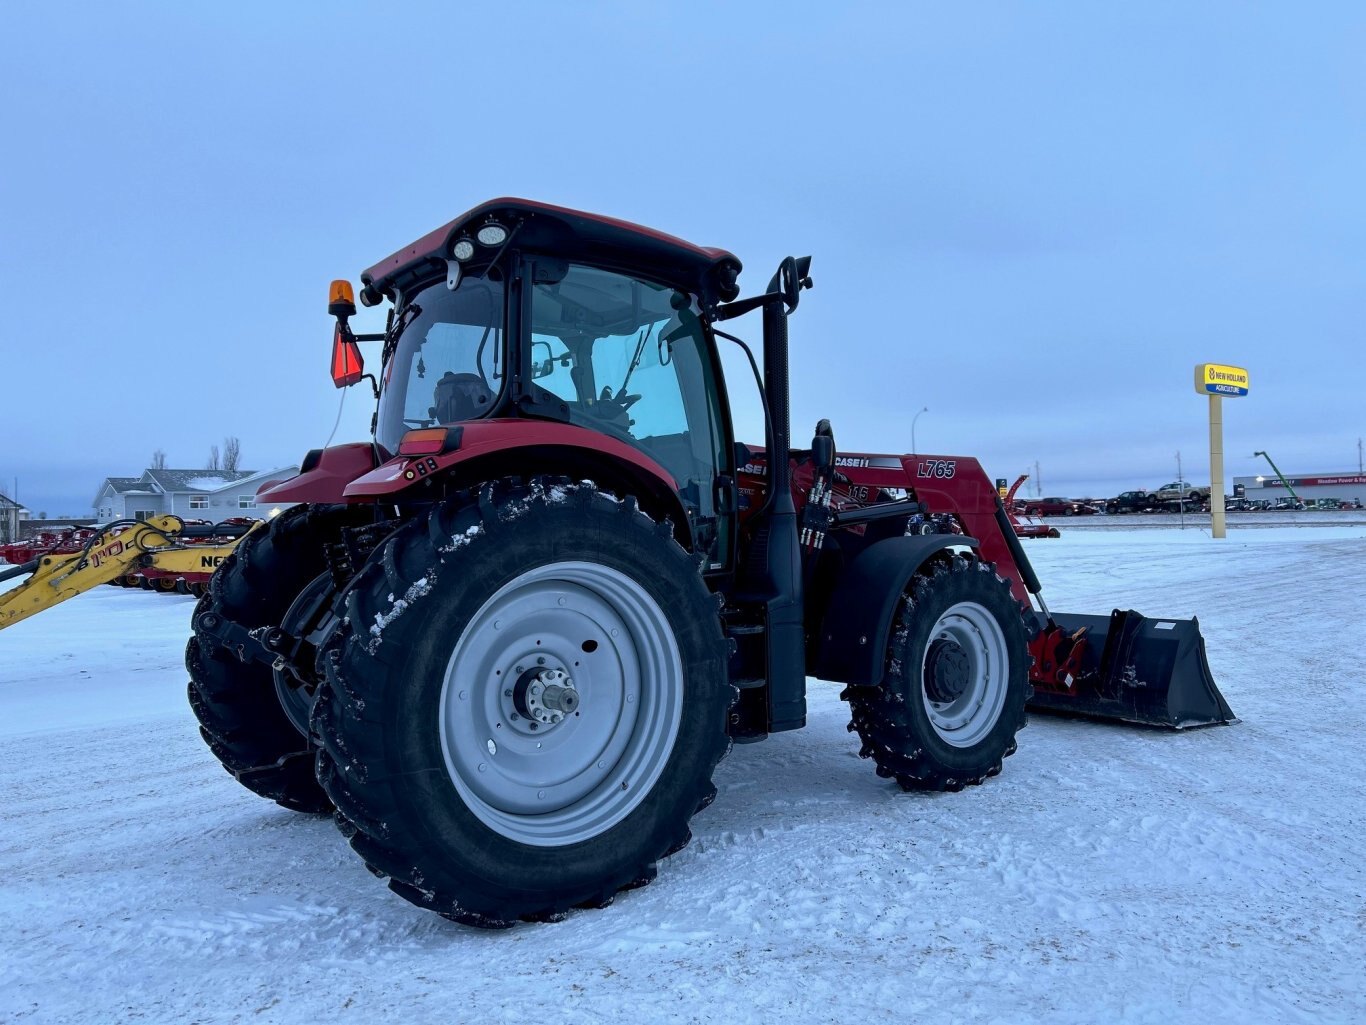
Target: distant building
pixel 190 494
pixel 1345 487
pixel 11 514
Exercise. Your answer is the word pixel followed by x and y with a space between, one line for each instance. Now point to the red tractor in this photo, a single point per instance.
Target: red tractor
pixel 508 639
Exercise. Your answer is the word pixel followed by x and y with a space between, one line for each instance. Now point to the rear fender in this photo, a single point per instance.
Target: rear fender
pixel 324 475
pixel 504 448
pixel 858 625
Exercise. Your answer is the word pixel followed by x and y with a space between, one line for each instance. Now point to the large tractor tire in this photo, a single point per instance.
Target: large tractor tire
pixel 957 680
pixel 253 723
pixel 526 705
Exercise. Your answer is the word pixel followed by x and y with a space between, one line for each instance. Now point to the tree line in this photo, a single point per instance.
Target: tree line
pixel 229 459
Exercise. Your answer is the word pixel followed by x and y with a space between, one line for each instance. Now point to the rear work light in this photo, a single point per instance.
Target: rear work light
pixel 430 441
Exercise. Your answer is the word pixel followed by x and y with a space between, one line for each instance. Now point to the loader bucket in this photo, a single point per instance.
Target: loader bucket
pixel 1135 669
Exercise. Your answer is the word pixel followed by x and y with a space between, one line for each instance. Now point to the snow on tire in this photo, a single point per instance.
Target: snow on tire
pixel 526 703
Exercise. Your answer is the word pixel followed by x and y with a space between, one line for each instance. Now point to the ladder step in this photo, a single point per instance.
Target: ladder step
pixel 749 684
pixel 743 629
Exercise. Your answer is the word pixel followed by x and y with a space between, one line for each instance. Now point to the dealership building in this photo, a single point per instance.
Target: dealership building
pixel 1345 487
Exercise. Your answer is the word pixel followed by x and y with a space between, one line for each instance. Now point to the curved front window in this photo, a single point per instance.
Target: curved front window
pixel 449 363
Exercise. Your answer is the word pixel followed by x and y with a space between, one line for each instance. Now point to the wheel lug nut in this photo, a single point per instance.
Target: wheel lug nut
pixel 507 693
pixel 535 726
pixel 514 716
pixel 540 660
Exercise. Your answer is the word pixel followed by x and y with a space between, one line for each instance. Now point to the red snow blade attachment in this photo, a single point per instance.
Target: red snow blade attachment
pixel 1126 667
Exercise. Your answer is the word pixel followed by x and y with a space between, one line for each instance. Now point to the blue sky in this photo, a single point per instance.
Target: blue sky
pixel 1034 219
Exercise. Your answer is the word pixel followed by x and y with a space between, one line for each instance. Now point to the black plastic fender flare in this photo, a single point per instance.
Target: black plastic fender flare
pixel 853 638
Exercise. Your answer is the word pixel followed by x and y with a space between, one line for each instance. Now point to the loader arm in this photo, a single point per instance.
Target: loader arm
pixel 156 543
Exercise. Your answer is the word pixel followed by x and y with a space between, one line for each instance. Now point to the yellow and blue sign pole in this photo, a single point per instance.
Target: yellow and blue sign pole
pixel 1217 380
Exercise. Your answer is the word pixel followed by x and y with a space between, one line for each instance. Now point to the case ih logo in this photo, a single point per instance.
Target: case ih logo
pixel 110 550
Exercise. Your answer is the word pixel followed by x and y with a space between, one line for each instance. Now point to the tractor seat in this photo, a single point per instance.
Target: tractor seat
pixel 460 397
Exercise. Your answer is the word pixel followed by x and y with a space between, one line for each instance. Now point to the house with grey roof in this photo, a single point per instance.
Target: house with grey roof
pixel 190 494
pixel 11 514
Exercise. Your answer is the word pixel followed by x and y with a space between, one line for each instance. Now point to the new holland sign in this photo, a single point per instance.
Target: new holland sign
pixel 1218 379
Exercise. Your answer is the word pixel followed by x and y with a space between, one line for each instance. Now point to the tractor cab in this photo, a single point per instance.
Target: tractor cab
pixel 521 311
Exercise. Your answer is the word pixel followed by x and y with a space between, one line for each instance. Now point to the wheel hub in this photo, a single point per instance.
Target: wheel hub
pixel 947 671
pixel 544 695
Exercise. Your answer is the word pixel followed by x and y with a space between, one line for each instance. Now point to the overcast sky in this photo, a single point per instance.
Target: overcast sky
pixel 1033 219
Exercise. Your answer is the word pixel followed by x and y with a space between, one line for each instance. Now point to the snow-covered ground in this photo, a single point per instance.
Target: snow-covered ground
pixel 1110 874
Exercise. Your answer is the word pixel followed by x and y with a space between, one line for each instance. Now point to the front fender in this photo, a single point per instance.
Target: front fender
pixel 853 638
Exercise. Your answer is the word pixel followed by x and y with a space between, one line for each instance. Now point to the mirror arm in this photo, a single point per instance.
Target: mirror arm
pixel 742 306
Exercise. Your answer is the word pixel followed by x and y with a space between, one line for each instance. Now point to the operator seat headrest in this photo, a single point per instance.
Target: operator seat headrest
pixel 460 397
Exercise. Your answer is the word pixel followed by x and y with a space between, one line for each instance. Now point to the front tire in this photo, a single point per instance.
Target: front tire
pixel 526 705
pixel 953 698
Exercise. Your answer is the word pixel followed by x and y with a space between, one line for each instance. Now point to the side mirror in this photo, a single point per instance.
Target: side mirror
pixel 544 367
pixel 347 366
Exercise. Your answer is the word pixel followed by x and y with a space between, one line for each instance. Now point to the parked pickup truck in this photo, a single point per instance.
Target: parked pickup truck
pixel 1180 491
pixel 1053 507
pixel 1131 501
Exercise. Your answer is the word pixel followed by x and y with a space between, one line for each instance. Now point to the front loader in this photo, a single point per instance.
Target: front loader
pixel 507 639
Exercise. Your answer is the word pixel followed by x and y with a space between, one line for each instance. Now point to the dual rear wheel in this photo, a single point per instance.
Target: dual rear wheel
pixel 527 705
pixel 253 723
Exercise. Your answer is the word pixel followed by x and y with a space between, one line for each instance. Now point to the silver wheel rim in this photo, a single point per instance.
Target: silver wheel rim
pixel 561 774
pixel 967 718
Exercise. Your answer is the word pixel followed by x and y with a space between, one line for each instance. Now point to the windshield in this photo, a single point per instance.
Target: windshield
pixel 449 362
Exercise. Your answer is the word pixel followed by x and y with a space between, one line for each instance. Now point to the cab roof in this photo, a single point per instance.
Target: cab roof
pixel 569 234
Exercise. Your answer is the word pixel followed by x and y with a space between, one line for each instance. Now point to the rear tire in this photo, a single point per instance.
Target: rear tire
pixel 450 772
pixel 957 680
pixel 240 714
